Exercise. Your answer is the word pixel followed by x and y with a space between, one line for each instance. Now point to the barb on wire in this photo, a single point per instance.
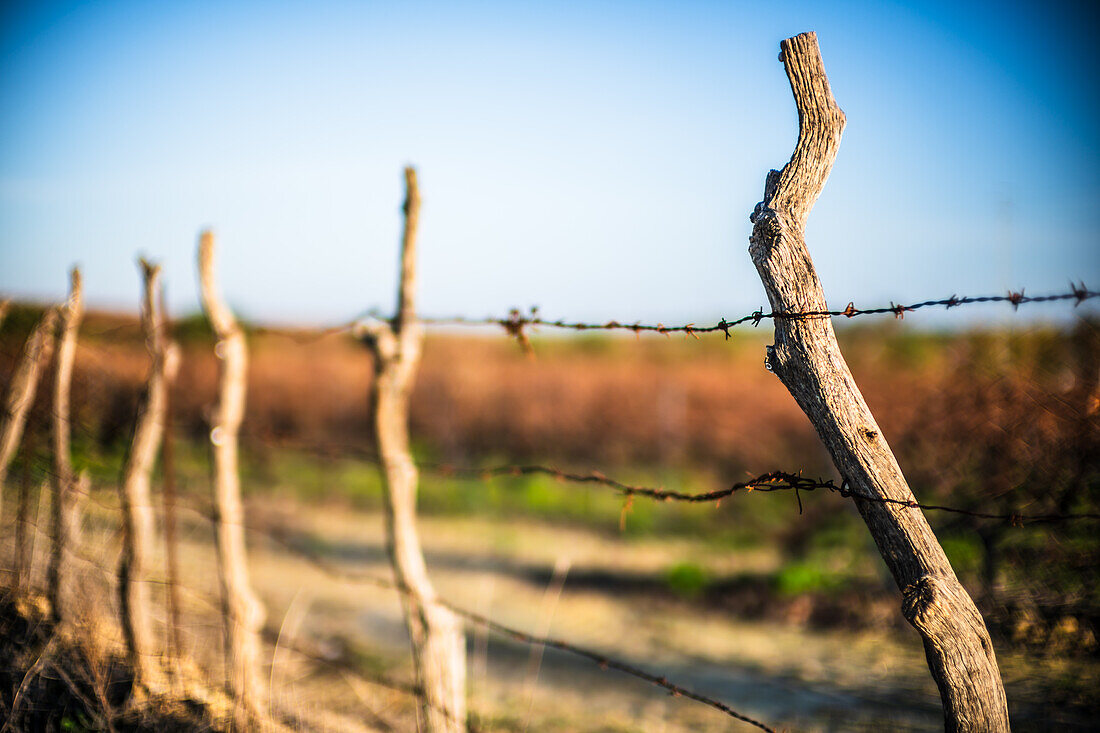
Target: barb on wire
pixel 772 481
pixel 604 661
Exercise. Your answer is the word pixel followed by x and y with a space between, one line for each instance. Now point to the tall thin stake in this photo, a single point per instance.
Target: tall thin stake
pixel 137 505
pixel 242 611
pixel 61 509
pixel 439 649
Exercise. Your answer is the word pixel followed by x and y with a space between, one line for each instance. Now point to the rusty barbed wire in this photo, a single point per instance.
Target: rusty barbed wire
pixel 771 481
pixel 767 482
pixel 516 322
pixel 604 661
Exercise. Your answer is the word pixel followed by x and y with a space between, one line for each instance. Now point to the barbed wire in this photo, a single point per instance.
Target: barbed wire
pixel 767 482
pixel 605 662
pixel 517 321
pixel 771 481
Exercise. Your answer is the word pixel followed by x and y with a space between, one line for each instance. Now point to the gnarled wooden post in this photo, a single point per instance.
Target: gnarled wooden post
pixel 22 388
pixel 137 505
pixel 439 648
pixel 61 508
pixel 243 614
pixel 807 359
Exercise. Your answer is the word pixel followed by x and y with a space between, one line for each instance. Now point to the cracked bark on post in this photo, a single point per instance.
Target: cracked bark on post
pixel 22 388
pixel 807 359
pixel 242 611
pixel 137 505
pixel 62 508
pixel 439 649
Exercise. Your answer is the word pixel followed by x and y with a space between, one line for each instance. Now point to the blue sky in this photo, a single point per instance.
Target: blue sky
pixel 599 159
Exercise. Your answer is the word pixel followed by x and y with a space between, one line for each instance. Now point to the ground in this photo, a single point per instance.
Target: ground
pixel 341 656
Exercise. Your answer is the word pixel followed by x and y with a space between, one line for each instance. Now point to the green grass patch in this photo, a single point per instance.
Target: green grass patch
pixel 804 577
pixel 686 579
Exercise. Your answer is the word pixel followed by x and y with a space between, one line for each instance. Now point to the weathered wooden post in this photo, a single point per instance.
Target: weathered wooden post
pixel 439 648
pixel 137 504
pixel 807 359
pixel 62 508
pixel 242 611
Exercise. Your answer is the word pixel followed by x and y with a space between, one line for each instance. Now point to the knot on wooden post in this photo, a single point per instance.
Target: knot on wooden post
pixel 921 603
pixel 935 603
pixel 770 184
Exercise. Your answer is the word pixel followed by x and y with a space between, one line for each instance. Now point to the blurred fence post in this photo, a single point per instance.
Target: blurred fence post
pixel 22 388
pixel 137 506
pixel 175 648
pixel 25 525
pixel 807 359
pixel 61 508
pixel 243 614
pixel 439 648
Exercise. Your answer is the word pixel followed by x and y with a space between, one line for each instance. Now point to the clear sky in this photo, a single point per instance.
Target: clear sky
pixel 597 159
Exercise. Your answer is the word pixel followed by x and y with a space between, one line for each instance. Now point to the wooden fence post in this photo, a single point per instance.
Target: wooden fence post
pixel 807 359
pixel 242 611
pixel 61 508
pixel 439 647
pixel 137 505
pixel 175 649
pixel 22 388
